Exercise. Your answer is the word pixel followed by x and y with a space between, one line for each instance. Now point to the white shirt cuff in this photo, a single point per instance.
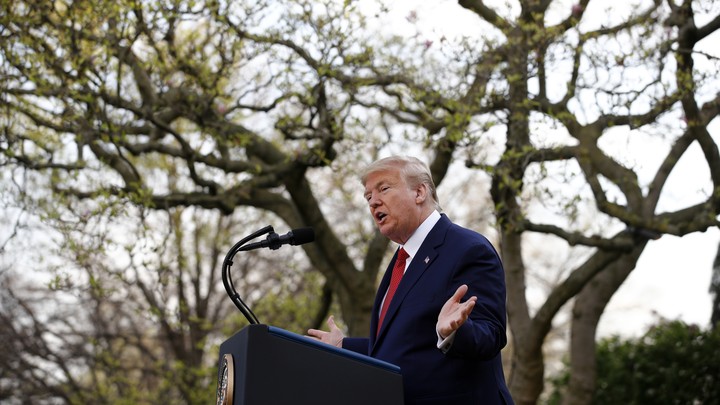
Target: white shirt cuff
pixel 445 344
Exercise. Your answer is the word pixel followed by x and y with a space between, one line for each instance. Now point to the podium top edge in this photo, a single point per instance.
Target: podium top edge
pixel 332 349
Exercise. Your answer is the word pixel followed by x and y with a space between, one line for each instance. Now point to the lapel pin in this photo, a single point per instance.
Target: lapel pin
pixel 427 259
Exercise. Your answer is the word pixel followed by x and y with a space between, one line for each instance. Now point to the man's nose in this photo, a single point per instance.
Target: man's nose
pixel 373 201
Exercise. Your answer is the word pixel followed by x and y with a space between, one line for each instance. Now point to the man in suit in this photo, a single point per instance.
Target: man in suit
pixel 447 347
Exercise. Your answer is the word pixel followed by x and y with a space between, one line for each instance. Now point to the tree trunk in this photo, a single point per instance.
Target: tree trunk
pixel 527 365
pixel 589 306
pixel 715 291
pixel 528 369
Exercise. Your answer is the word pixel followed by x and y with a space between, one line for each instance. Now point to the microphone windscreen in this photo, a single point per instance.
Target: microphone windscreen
pixel 302 235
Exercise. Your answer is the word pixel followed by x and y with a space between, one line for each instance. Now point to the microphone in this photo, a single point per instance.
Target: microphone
pixel 273 241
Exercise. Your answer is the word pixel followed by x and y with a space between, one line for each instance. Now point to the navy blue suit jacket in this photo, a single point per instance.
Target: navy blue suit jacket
pixel 471 371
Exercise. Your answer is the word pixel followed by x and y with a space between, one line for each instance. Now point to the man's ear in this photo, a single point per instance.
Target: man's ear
pixel 421 192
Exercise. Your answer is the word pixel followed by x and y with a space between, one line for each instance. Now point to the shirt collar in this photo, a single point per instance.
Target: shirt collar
pixel 418 237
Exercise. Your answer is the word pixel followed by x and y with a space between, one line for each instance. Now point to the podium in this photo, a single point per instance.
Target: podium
pixel 265 365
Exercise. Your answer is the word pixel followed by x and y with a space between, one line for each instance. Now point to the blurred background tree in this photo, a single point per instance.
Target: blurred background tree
pixel 143 138
pixel 673 363
pixel 715 292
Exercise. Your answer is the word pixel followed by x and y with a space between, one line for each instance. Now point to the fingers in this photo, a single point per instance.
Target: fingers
pixel 315 334
pixel 455 313
pixel 319 334
pixel 460 292
pixel 334 336
pixel 467 307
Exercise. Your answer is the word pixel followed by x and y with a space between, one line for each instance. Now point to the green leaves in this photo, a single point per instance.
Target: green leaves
pixel 673 363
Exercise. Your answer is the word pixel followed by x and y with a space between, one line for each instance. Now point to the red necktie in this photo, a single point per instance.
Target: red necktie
pixel 397 273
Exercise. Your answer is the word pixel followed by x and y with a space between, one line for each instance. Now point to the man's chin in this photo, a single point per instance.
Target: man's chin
pixel 385 230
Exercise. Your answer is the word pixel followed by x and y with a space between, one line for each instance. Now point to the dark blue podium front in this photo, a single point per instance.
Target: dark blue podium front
pixel 272 366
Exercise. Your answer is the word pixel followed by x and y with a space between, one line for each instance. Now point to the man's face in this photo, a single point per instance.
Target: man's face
pixel 395 207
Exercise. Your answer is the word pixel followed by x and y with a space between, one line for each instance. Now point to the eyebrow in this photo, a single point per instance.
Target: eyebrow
pixel 375 186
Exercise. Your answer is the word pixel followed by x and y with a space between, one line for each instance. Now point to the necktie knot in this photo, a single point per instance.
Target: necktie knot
pixel 402 255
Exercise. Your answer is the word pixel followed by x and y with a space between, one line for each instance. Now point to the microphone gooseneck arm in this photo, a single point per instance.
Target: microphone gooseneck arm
pixel 227 281
pixel 273 241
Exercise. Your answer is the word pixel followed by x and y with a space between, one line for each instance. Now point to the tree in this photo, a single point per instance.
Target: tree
pixel 673 363
pixel 139 319
pixel 715 292
pixel 254 104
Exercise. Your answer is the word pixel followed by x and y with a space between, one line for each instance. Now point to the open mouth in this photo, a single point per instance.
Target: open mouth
pixel 380 216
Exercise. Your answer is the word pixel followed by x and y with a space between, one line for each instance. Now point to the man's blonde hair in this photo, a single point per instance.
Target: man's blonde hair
pixel 413 171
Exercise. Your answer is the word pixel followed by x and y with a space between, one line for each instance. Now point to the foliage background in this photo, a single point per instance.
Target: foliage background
pixel 140 138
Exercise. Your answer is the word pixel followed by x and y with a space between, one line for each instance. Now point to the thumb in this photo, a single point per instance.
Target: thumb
pixel 331 323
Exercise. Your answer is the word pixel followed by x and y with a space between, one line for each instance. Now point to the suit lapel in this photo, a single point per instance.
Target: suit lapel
pixel 382 289
pixel 420 263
